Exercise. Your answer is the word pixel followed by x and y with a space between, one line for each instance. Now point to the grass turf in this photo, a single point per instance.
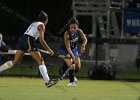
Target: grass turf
pixel 15 88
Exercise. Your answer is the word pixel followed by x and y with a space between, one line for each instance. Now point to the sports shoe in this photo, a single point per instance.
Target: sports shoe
pixel 72 84
pixel 75 80
pixel 51 83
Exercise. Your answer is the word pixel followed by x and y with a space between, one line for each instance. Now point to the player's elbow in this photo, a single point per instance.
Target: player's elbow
pixel 85 40
pixel 42 41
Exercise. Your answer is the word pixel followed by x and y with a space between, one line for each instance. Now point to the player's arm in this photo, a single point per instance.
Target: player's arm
pixel 67 44
pixel 84 39
pixel 43 43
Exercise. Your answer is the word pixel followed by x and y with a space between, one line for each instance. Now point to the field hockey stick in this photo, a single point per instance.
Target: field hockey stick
pixel 55 55
pixel 65 73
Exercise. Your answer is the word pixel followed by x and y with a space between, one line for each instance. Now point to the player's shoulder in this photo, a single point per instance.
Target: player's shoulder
pixel 79 30
pixel 38 23
pixel 66 34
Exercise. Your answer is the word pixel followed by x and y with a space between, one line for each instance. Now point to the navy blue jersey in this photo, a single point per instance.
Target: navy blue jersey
pixel 73 40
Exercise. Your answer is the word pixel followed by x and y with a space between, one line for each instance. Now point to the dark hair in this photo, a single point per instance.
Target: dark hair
pixel 42 16
pixel 73 20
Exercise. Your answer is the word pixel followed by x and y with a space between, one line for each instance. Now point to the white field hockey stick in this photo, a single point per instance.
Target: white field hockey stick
pixel 55 55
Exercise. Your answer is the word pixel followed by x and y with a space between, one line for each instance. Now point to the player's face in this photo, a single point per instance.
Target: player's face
pixel 73 28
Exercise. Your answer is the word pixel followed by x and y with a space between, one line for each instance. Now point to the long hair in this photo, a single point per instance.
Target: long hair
pixel 73 20
pixel 42 16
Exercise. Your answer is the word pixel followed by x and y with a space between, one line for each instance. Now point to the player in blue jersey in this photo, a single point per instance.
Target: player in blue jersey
pixel 27 44
pixel 2 45
pixel 69 48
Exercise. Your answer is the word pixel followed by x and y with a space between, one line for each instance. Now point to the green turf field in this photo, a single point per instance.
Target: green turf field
pixel 34 89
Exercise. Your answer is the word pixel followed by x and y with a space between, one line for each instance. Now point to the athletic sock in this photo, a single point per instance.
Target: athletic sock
pixel 71 75
pixel 44 73
pixel 6 65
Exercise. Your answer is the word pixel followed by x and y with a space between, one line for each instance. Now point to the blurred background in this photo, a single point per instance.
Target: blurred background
pixel 109 26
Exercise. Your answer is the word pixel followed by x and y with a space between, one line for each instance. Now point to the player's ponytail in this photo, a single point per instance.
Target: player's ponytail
pixel 42 16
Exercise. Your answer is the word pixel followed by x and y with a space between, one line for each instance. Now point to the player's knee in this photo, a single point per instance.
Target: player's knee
pixel 77 68
pixel 14 62
pixel 72 66
pixel 40 61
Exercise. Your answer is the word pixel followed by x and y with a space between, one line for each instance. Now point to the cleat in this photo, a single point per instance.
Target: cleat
pixel 72 84
pixel 51 83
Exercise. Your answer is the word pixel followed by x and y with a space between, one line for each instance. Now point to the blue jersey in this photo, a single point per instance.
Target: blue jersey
pixel 73 44
pixel 2 44
pixel 73 40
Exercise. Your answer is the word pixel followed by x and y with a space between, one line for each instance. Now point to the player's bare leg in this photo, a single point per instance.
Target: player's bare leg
pixel 9 64
pixel 42 68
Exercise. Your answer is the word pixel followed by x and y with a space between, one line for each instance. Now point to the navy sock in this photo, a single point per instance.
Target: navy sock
pixel 71 75
pixel 76 71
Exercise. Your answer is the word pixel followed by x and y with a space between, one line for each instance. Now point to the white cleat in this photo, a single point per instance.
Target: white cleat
pixel 75 80
pixel 72 84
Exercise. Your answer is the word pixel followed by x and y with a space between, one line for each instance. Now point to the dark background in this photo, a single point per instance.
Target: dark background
pixel 59 12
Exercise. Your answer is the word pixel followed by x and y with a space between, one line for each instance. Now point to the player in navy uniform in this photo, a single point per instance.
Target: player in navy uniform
pixel 27 44
pixel 69 48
